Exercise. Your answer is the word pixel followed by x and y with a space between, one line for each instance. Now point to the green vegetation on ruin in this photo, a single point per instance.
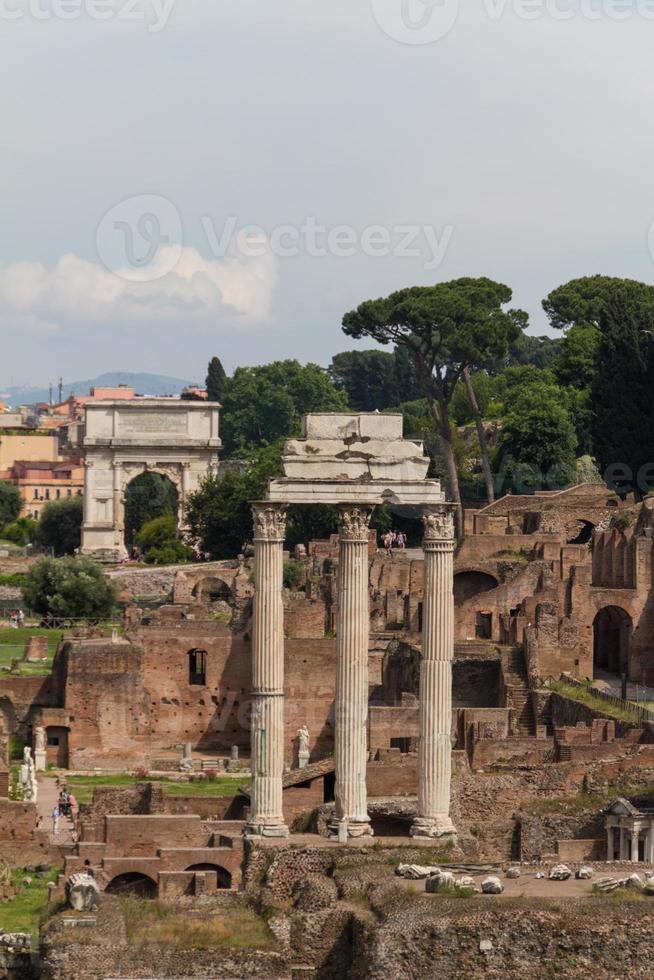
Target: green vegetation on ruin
pixel 155 922
pixel 83 786
pixel 24 912
pixel 596 703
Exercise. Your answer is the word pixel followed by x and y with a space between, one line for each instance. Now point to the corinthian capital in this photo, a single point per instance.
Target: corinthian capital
pixel 269 522
pixel 354 523
pixel 439 525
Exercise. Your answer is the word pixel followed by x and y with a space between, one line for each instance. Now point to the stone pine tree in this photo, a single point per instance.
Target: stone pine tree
pixel 448 328
pixel 216 380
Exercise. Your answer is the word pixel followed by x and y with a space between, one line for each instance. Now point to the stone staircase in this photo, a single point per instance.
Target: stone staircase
pixel 516 685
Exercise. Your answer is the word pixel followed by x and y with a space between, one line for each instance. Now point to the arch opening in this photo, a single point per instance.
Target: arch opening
pixel 612 629
pixel 212 590
pixel 132 883
pixel 472 583
pixel 223 876
pixel 582 533
pixel 147 496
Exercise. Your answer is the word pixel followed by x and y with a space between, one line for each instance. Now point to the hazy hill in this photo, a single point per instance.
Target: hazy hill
pixel 145 384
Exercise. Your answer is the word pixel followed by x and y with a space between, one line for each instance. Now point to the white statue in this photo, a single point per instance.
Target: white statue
pixel 28 777
pixel 303 747
pixel 39 739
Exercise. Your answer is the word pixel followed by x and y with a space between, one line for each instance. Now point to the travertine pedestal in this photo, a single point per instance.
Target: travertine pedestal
pixel 267 740
pixel 350 732
pixel 435 742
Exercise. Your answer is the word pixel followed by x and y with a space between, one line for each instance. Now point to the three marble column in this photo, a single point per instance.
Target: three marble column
pixel 435 695
pixel 351 700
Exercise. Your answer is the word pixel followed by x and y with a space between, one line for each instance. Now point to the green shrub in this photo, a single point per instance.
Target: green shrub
pixel 69 588
pixel 20 532
pixel 160 544
pixel 294 578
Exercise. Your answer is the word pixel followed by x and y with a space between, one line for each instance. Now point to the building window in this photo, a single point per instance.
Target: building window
pixel 197 667
pixel 69 493
pixel 47 493
pixel 58 493
pixel 36 493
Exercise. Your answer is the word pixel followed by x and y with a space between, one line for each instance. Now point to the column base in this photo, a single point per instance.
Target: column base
pixel 433 828
pixel 260 830
pixel 355 828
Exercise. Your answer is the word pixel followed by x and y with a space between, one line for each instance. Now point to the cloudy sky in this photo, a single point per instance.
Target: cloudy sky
pixel 183 178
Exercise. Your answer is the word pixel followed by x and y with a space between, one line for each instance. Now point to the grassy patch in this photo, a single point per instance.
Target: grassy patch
pixel 12 647
pixel 83 786
pixel 23 912
pixel 153 922
pixel 591 700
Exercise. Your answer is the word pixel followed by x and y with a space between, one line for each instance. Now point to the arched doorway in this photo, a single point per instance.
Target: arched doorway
pixel 581 532
pixel 147 496
pixel 612 629
pixel 223 876
pixel 472 583
pixel 132 883
pixel 212 590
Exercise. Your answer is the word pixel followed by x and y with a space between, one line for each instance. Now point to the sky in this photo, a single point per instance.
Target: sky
pixel 188 178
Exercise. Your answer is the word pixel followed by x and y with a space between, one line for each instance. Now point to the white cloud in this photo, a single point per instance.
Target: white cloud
pixel 77 292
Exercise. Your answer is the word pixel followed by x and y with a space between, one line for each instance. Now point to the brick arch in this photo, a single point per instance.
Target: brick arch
pixel 223 875
pixel 472 581
pixel 132 883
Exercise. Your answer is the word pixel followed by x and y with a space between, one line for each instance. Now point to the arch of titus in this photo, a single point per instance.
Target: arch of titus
pixel 178 439
pixel 354 462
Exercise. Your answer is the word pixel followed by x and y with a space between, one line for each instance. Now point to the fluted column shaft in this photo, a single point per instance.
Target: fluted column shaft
pixel 350 735
pixel 267 731
pixel 435 712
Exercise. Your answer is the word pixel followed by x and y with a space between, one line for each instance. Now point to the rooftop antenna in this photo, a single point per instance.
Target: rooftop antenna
pixel 50 390
pixel 61 390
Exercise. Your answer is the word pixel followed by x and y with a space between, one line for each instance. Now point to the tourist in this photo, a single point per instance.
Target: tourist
pixel 72 807
pixel 388 542
pixel 55 820
pixel 401 540
pixel 20 616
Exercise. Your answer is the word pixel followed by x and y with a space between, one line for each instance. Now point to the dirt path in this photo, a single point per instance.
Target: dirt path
pixel 47 799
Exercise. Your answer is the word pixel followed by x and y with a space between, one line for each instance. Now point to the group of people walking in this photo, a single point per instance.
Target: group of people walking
pixel 394 539
pixel 66 807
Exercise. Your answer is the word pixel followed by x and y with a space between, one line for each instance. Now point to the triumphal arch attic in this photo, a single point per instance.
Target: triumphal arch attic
pixel 177 439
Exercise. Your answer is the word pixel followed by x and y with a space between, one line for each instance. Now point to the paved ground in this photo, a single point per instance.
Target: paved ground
pixel 47 798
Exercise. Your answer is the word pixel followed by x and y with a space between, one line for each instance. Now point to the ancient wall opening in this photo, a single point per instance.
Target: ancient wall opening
pixel 612 631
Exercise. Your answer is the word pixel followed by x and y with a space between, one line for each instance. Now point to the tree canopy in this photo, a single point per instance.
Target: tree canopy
pixel 447 328
pixel 266 403
pixel 69 588
pixel 10 503
pixel 216 380
pixel 60 525
pixel 159 541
